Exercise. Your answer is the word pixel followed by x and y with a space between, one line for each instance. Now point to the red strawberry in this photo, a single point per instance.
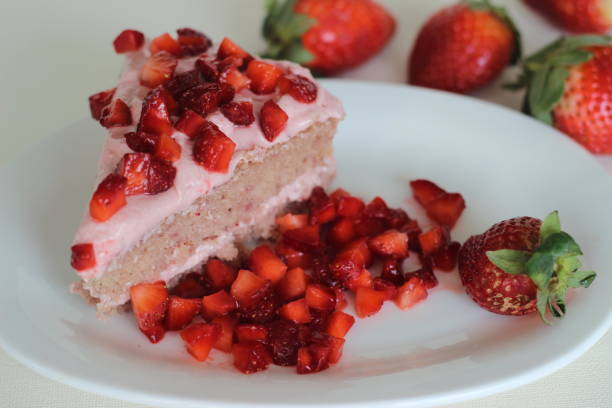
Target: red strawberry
pixel 191 286
pixel 155 115
pixel 158 69
pixel 264 262
pixel 252 333
pixel 320 297
pixel 190 123
pixel 368 301
pixel 322 208
pixel 579 16
pixel 339 324
pixel 296 311
pixel 228 48
pixel 135 168
pixel 293 284
pixel 200 338
pixel 329 36
pixel 212 149
pixel 143 142
pixel 127 41
pixel 410 293
pixel 226 338
pixel 568 86
pixel 116 114
pixel 363 280
pixel 425 274
pixel 160 177
pixel 446 209
pixel 291 221
pixel 464 47
pixel 294 258
pixel 305 239
pixel 192 42
pixel 425 191
pixel 433 240
pixel 98 101
pixel 165 42
pixel 108 198
pixel 83 256
pixel 235 78
pixel 181 312
pixel 391 243
pixel 350 207
pixel 206 98
pixel 217 304
pixel 264 76
pixel 342 232
pixel 299 87
pixel 149 303
pixel 249 289
pixel 522 265
pixel 392 271
pixel 251 357
pixel 219 274
pixel 446 259
pixel 207 69
pixel 272 120
pixel 183 81
pixel 167 148
pixel 239 113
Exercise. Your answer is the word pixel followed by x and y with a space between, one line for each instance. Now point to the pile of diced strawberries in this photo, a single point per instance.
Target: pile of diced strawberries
pixel 285 305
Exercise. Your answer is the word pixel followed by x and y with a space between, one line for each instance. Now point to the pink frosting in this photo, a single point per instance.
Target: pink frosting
pixel 143 213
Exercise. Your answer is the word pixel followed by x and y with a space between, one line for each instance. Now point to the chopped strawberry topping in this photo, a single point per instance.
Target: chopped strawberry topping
pixel 149 303
pixel 116 114
pixel 228 48
pixel 108 198
pixel 98 101
pixel 182 82
pixel 305 239
pixel 240 113
pixel 135 168
pixel 425 191
pixel 252 333
pixel 190 123
pixel 226 338
pixel 264 76
pixel 410 293
pixel 190 286
pixel 446 259
pixel 358 251
pixel 320 297
pixel 346 269
pixel 207 69
pixel 212 149
pixel 143 142
pixel 127 41
pixel 426 274
pixel 167 148
pixel 446 209
pixel 264 262
pixel 350 207
pixel 206 98
pixel 248 289
pixel 158 69
pixel 391 243
pixel 433 240
pixel 363 280
pixel 251 357
pixel 296 311
pixel 200 338
pixel 392 271
pixel 219 274
pixel 342 232
pixel 155 115
pixel 192 42
pixel 294 258
pixel 181 312
pixel 160 177
pixel 83 256
pixel 217 304
pixel 165 42
pixel 299 87
pixel 322 208
pixel 293 284
pixel 272 120
pixel 339 324
pixel 291 221
pixel 235 78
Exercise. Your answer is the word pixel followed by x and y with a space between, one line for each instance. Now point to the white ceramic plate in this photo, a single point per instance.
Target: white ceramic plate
pixel 445 349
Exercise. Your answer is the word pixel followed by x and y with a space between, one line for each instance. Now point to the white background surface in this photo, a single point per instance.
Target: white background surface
pixel 55 54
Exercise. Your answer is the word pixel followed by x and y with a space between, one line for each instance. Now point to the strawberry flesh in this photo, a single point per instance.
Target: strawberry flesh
pixel 165 42
pixel 226 338
pixel 322 208
pixel 305 239
pixel 320 297
pixel 207 69
pixel 200 338
pixel 239 113
pixel 251 357
pixel 232 76
pixel 149 303
pixel 192 42
pixel 296 311
pixel 191 286
pixel 83 256
pixel 391 243
pixel 273 120
pixel 294 258
pixel 249 289
pixel 264 76
pixel 98 101
pixel 392 271
pixel 369 301
pixel 217 304
pixel 181 312
pixel 212 149
pixel 264 262
pixel 299 87
pixel 433 240
pixel 339 323
pixel 251 333
pixel 155 116
pixel 410 293
pixel 108 198
pixel 446 259
pixel 158 69
pixel 116 114
pixel 128 41
pixel 135 168
pixel 206 98
pixel 219 274
pixel 190 123
pixel 182 82
pixel 425 191
pixel 446 209
pixel 293 284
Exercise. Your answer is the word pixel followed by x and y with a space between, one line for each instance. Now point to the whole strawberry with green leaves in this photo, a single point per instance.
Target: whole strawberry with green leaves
pixel 464 47
pixel 327 36
pixel 569 85
pixel 578 16
pixel 522 265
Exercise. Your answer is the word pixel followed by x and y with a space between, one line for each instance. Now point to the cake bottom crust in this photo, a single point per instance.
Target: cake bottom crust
pixel 222 221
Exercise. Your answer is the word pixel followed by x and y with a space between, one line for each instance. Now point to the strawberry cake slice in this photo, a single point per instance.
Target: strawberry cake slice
pixel 205 145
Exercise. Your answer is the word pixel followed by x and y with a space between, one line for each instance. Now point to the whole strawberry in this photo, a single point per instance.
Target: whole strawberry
pixel 578 16
pixel 522 265
pixel 464 47
pixel 328 36
pixel 569 85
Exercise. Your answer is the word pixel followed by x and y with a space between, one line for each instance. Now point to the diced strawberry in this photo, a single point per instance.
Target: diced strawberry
pixel 212 149
pixel 160 177
pixel 235 78
pixel 264 76
pixel 127 41
pixel 219 274
pixel 149 303
pixel 98 101
pixel 346 269
pixel 321 272
pixel 264 262
pixel 182 82
pixel 337 194
pixel 263 311
pixel 192 42
pixel 446 259
pixel 108 198
pixel 304 239
pixel 217 304
pixel 377 208
pixel 167 148
pixel 312 359
pixel 292 257
pixel 335 344
pixel 230 63
pixel 425 191
pixel 116 114
pixel 284 338
pixel 410 293
pixel 200 338
pixel 272 120
pixel 291 221
pixel 363 280
pixel 299 87
pixel 293 284
pixel 83 256
pixel 209 71
pixel 248 288
pixel 191 286
pixel 239 113
pixel 342 232
pixel 391 243
pixel 358 251
pixel 341 302
pixel 228 48
pixel 339 324
pixel 368 301
pixel 226 338
pixel 397 218
pixel 368 227
pixel 251 357
pixel 392 271
pixel 165 42
pixel 426 273
pixel 190 123
pixel 143 142
pixel 433 240
pixel 296 311
pixel 181 312
pixel 158 69
pixel 320 297
pixel 413 230
pixel 446 209
pixel 135 168
pixel 350 207
pixel 155 116
pixel 251 333
pixel 383 285
pixel 322 208
pixel 206 98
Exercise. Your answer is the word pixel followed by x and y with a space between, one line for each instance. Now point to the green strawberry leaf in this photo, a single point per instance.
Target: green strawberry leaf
pixel 560 244
pixel 550 225
pixel 585 40
pixel 540 269
pixel 546 90
pixel 283 29
pixel 542 304
pixel 581 279
pixel 297 53
pixel 509 260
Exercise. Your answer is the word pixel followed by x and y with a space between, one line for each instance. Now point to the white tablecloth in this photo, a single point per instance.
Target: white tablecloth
pixel 55 54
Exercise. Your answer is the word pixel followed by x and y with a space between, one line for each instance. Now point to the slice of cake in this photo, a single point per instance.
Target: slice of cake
pixel 205 146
